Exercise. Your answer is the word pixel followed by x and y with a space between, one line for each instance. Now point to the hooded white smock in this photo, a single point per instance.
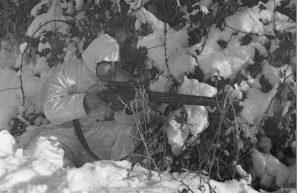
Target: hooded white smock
pixel 64 102
pixel 72 80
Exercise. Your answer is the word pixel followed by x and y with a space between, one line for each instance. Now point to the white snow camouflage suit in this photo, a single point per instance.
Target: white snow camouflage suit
pixel 64 102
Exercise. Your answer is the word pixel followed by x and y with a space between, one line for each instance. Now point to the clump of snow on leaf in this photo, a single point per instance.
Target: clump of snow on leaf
pixel 54 13
pixel 218 61
pixel 37 8
pixel 165 42
pixel 271 171
pixel 162 84
pixel 197 116
pixel 256 105
pixel 197 119
pixel 176 41
pixel 258 102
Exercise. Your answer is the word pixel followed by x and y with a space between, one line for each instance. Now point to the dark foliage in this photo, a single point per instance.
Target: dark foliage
pixel 254 69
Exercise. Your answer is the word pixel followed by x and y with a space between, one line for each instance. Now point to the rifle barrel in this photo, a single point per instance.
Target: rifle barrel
pixel 184 99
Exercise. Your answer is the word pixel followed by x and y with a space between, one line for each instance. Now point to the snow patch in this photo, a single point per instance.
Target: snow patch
pixel 23 173
pixel 256 105
pixel 271 171
pixel 10 96
pixel 162 84
pixel 54 13
pixel 36 9
pixel 176 41
pixel 181 64
pixel 8 54
pixel 197 116
pixel 258 102
pixel 218 61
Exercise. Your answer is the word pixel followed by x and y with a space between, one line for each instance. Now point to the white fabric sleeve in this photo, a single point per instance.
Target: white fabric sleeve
pixel 59 109
pixel 63 101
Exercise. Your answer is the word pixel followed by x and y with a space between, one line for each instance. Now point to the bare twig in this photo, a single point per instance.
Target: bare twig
pixel 23 54
pixel 216 137
pixel 8 89
pixel 236 137
pixel 189 189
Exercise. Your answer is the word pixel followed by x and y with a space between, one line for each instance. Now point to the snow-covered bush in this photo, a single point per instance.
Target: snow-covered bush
pixel 238 48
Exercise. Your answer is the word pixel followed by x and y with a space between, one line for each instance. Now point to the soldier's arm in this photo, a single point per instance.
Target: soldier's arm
pixel 62 103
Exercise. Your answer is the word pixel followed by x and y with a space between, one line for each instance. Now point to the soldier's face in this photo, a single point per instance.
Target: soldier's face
pixel 106 70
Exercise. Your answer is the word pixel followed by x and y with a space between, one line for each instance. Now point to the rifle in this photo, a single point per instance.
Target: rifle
pixel 119 94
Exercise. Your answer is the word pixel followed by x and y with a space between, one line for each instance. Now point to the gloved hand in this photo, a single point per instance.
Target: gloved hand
pixel 92 101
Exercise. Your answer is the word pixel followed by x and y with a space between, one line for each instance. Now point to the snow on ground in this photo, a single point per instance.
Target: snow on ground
pixel 20 173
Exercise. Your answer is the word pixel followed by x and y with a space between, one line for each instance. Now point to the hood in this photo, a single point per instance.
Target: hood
pixel 103 48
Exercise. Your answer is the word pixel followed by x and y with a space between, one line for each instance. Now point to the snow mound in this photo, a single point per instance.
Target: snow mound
pixel 23 173
pixel 7 144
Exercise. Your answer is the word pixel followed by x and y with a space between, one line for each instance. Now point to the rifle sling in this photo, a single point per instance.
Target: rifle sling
pixel 82 140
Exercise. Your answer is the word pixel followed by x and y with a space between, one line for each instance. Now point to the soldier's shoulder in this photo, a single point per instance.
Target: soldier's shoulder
pixel 71 65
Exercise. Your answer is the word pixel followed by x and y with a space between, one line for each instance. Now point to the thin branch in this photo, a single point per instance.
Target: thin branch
pixel 54 20
pixel 216 137
pixel 189 189
pixel 8 89
pixel 165 38
pixel 23 54
pixel 237 135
